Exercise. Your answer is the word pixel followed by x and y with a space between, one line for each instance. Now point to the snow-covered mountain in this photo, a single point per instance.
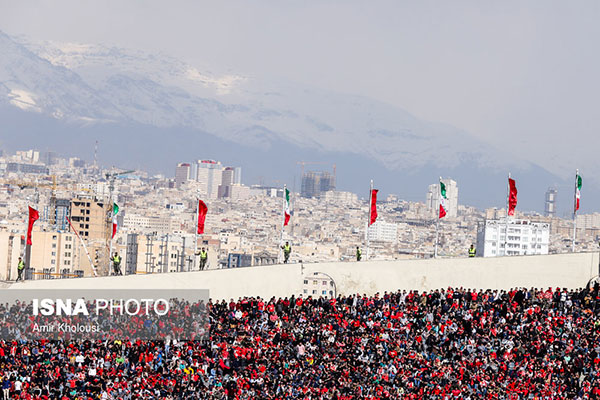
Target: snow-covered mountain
pixel 91 86
pixel 78 81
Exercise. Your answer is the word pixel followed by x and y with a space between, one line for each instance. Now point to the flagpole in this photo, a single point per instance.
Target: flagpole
pixel 196 231
pixel 369 220
pixel 437 223
pixel 507 205
pixel 280 251
pixel 111 205
pixel 575 210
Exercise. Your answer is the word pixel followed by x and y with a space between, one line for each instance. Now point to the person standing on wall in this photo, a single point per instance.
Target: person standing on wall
pixel 358 253
pixel 287 249
pixel 20 269
pixel 117 264
pixel 472 251
pixel 203 253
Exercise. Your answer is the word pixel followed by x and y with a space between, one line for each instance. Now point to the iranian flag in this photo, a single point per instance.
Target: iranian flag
pixel 286 206
pixel 577 190
pixel 443 198
pixel 114 221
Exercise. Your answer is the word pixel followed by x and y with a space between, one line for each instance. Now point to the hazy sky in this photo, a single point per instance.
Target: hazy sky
pixel 523 75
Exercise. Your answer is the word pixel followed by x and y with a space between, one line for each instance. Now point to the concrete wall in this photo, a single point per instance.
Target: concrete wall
pixel 564 270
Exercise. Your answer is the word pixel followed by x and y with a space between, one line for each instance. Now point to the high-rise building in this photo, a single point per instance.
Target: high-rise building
pixel 49 158
pixel 310 184
pixel 550 204
pixel 524 237
pixel 182 174
pixel 89 218
pixel 193 172
pixel 210 174
pixel 228 176
pixel 227 180
pixel 314 183
pixel 237 176
pixel 433 194
pixel 327 182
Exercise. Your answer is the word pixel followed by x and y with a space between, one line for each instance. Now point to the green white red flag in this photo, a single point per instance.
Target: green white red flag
pixel 443 198
pixel 578 182
pixel 286 207
pixel 114 221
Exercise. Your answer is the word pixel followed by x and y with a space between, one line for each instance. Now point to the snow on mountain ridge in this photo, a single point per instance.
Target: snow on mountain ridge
pixel 78 81
pixel 162 68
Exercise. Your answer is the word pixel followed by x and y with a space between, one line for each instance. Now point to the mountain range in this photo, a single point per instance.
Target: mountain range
pixel 151 111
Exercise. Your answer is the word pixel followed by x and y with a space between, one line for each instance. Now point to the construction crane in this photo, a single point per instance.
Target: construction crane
pixel 43 185
pixel 112 176
pixel 303 163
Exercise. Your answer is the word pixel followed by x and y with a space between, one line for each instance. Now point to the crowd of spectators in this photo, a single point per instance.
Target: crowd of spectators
pixel 441 344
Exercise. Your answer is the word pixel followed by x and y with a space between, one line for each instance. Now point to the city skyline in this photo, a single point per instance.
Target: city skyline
pixel 41 158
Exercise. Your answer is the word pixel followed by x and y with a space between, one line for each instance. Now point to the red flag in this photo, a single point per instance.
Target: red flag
pixel 373 206
pixel 114 230
pixel 33 216
pixel 442 212
pixel 202 210
pixel 512 197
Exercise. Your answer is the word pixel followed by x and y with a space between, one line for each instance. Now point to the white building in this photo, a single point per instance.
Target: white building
pixel 210 177
pixel 382 231
pixel 144 223
pixel 451 194
pixel 524 237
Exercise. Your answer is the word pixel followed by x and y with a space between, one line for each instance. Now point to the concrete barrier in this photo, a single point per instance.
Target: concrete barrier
pixel 562 270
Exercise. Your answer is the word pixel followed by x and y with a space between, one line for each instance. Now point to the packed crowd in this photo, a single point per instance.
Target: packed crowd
pixel 443 344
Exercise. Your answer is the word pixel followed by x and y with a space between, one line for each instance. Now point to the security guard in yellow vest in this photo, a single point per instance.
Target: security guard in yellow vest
pixel 203 258
pixel 472 251
pixel 20 269
pixel 358 253
pixel 287 249
pixel 117 264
